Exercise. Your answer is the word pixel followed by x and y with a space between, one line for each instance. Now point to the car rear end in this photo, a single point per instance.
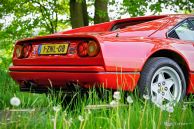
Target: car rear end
pixel 57 61
pixel 63 62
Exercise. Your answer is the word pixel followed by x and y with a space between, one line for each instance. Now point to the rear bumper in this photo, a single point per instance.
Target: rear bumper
pixel 59 77
pixel 57 68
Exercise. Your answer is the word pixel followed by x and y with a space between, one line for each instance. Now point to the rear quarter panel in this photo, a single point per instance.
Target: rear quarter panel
pixel 130 54
pixel 125 54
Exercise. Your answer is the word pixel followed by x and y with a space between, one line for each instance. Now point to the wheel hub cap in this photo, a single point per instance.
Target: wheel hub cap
pixel 166 87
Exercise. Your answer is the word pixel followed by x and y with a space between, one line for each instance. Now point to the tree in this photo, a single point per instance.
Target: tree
pixel 101 11
pixel 78 13
pixel 135 7
pixel 176 5
pixel 31 15
pixel 49 13
pixel 140 7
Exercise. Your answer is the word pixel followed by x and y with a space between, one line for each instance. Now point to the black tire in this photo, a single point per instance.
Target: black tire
pixel 151 67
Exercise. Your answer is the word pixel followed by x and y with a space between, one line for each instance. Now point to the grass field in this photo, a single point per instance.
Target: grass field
pixel 38 111
pixel 41 111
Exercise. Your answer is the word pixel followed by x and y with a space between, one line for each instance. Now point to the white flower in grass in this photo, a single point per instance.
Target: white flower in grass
pixel 80 118
pixel 57 108
pixel 65 113
pixel 89 112
pixel 170 109
pixel 146 97
pixel 114 103
pixel 184 107
pixel 168 124
pixel 53 119
pixel 15 101
pixel 70 120
pixel 117 95
pixel 129 99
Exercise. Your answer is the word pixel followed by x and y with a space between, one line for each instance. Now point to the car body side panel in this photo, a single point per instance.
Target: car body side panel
pixel 130 54
pixel 186 48
pixel 190 88
pixel 125 54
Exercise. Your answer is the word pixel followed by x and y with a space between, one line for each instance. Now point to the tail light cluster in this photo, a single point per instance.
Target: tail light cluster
pixel 90 48
pixel 84 49
pixel 23 51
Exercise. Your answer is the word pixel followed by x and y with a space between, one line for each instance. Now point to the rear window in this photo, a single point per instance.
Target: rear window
pixel 127 24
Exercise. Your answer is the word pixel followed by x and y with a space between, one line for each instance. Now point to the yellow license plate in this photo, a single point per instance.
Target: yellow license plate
pixel 46 49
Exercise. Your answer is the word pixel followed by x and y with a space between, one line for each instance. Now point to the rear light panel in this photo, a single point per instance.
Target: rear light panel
pixel 18 51
pixel 82 49
pixel 93 48
pixel 23 51
pixel 72 50
pixel 77 48
pixel 27 50
pixel 89 48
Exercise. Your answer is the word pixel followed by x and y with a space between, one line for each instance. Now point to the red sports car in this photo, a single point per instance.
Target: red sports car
pixel 153 53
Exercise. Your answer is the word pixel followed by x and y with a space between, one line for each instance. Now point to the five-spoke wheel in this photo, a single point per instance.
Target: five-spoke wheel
pixel 163 80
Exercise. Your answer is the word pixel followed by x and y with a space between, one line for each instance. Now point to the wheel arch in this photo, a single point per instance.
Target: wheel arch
pixel 175 56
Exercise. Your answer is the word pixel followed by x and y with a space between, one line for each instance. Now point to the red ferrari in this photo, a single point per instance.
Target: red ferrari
pixel 153 53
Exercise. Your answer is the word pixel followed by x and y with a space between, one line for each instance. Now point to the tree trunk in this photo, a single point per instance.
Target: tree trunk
pixel 85 13
pixel 101 13
pixel 78 13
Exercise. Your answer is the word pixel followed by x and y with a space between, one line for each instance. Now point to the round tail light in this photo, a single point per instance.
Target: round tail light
pixel 18 51
pixel 26 50
pixel 93 48
pixel 82 49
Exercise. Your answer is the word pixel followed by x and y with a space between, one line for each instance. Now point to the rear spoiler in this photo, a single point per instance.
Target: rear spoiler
pixel 56 37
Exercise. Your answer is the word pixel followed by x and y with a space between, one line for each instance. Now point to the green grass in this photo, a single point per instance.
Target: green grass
pixel 140 114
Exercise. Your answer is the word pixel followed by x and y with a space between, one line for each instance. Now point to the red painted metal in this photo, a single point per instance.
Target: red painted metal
pixel 125 81
pixel 58 68
pixel 122 56
pixel 190 88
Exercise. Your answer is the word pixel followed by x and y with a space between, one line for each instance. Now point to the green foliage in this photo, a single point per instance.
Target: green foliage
pixel 27 15
pixel 135 7
pixel 6 48
pixel 175 5
pixel 140 7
